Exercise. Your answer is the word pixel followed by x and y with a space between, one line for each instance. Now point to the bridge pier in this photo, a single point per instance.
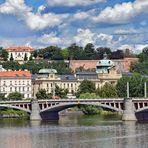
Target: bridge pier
pixel 129 110
pixel 35 112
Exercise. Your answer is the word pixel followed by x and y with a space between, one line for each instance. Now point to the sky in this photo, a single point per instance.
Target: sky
pixel 117 24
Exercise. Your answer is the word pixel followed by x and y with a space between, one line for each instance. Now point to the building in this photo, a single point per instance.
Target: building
pixel 19 53
pixel 123 65
pixel 12 81
pixel 105 72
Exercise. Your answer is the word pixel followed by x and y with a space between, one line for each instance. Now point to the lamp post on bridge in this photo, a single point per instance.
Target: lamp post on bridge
pixel 145 89
pixel 127 89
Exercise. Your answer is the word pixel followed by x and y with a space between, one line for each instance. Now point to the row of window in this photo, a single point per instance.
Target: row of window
pixel 64 85
pixel 19 89
pixel 16 82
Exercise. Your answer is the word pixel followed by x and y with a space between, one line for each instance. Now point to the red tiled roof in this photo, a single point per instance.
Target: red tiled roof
pixel 15 74
pixel 20 49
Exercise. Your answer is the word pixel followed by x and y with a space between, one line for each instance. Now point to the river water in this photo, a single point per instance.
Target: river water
pixel 74 131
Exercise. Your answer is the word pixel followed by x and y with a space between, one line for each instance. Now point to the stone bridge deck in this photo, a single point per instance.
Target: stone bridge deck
pixel 114 104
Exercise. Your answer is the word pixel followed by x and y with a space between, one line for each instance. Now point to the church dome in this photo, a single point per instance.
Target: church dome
pixel 105 62
pixel 47 71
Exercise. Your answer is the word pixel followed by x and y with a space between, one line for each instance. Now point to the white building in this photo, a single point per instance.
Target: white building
pixel 16 81
pixel 18 53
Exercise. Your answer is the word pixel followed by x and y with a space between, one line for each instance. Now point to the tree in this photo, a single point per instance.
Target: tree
pixel 30 58
pixel 89 51
pixel 65 53
pixel 107 91
pixel 122 86
pixel 86 86
pixel 15 96
pixel 75 52
pixel 2 96
pixel 11 57
pixel 60 92
pixel 136 85
pixel 25 57
pixel 4 54
pixel 101 50
pixel 88 96
pixel 42 94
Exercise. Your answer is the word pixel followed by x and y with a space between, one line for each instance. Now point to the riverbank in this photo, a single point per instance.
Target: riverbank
pixel 11 113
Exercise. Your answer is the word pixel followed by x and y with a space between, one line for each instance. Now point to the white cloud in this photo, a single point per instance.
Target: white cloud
pixel 72 3
pixel 41 8
pixel 81 15
pixel 84 36
pixel 137 48
pixel 34 21
pixel 105 37
pixel 122 13
pixel 51 39
pixel 125 31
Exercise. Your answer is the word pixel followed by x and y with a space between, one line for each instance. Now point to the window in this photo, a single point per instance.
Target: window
pixel 28 89
pixel 10 89
pixel 19 82
pixel 10 82
pixel 15 82
pixel 23 83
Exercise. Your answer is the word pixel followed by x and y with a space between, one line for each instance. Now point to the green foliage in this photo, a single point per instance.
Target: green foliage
pixel 60 92
pixel 15 96
pixel 88 96
pixel 107 91
pixel 86 86
pixel 142 66
pixel 11 65
pixel 25 57
pixel 2 97
pixel 89 51
pixel 136 85
pixel 42 94
pixel 3 54
pixel 122 86
pixel 65 53
pixel 11 57
pixel 90 109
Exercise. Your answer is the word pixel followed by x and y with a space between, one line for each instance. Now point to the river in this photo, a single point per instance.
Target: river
pixel 73 131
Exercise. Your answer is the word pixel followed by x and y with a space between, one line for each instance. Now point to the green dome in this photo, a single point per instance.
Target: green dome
pixel 105 62
pixel 47 71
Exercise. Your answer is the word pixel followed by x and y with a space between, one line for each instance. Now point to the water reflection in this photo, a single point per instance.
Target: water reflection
pixel 73 132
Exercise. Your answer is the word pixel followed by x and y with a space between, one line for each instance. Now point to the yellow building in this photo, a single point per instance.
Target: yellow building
pixel 48 78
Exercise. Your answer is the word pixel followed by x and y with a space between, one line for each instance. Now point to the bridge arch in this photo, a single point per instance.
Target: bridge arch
pixel 63 106
pixel 15 107
pixel 141 109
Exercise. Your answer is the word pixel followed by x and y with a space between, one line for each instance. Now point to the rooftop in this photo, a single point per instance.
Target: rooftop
pixel 20 49
pixel 47 71
pixel 15 74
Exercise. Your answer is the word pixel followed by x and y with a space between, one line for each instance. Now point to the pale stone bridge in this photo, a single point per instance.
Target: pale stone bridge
pixel 49 109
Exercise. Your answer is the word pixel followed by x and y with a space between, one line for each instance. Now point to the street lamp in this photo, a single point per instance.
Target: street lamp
pixel 145 89
pixel 127 89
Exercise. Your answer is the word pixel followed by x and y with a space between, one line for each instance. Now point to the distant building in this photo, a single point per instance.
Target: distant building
pixel 19 53
pixel 12 81
pixel 122 65
pixel 48 78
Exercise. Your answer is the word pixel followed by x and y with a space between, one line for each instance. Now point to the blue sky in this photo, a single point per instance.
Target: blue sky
pixel 41 23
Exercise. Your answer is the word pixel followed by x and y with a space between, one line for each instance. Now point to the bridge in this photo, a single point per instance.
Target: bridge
pixel 49 109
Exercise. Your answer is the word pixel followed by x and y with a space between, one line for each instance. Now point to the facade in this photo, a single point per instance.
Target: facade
pixel 48 78
pixel 12 81
pixel 19 53
pixel 123 65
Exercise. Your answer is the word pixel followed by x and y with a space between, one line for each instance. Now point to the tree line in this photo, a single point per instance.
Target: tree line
pixel 73 52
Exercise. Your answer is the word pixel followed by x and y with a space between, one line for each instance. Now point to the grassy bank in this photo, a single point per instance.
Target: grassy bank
pixel 12 113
